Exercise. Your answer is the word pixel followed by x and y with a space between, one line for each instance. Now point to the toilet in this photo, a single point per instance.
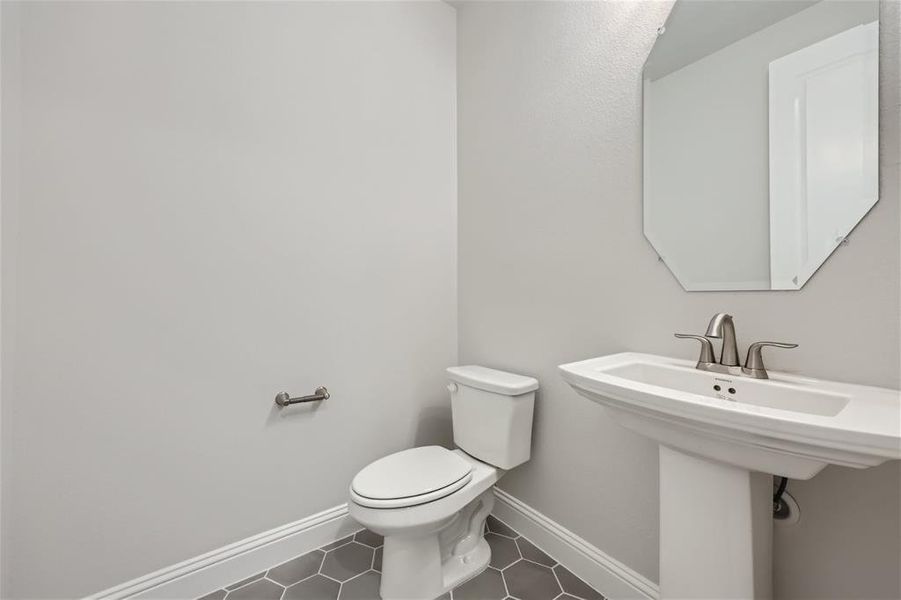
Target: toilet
pixel 431 503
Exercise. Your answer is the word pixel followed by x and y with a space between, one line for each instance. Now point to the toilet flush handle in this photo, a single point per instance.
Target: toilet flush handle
pixel 452 387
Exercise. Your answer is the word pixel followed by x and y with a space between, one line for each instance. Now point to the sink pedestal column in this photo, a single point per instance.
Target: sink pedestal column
pixel 716 529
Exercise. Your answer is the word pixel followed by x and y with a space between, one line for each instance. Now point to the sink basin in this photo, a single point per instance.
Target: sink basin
pixel 775 393
pixel 720 437
pixel 786 425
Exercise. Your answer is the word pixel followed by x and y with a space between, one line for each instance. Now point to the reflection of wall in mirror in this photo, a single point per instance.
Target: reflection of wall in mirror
pixel 706 152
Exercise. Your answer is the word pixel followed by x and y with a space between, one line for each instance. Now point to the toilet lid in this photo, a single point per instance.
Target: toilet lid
pixel 411 477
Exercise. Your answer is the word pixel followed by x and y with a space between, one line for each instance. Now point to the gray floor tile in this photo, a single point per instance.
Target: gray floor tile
pixel 357 561
pixel 316 587
pixel 369 538
pixel 487 586
pixel 296 569
pixel 364 587
pixel 262 589
pixel 243 582
pixel 531 581
pixel 334 545
pixel 498 526
pixel 347 561
pixel 575 586
pixel 532 552
pixel 503 550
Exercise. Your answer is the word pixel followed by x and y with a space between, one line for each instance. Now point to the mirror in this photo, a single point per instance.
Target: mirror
pixel 760 138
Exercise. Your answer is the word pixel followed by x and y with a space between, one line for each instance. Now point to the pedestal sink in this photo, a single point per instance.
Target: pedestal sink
pixel 721 437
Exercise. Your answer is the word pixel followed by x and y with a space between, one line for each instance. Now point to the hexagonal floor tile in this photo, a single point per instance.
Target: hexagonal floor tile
pixel 294 570
pixel 337 543
pixel 245 581
pixel 316 587
pixel 371 539
pixel 262 589
pixel 574 586
pixel 364 587
pixel 530 581
pixel 347 561
pixel 487 586
pixel 518 568
pixel 503 550
pixel 497 526
pixel 377 560
pixel 532 552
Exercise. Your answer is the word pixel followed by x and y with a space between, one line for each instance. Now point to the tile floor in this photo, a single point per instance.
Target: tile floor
pixel 350 569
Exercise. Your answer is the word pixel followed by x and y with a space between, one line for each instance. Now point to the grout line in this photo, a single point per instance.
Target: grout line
pixel 556 562
pixel 358 575
pixel 504 579
pixel 302 580
pixel 372 569
pixel 510 565
pixel 336 547
pixel 540 565
pixel 518 535
pixel 560 583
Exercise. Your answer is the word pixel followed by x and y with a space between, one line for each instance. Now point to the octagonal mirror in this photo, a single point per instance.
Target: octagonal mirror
pixel 760 138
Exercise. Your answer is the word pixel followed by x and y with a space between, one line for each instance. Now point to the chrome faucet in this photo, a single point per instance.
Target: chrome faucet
pixel 722 326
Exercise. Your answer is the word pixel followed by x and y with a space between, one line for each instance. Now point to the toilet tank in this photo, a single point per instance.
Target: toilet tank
pixel 492 412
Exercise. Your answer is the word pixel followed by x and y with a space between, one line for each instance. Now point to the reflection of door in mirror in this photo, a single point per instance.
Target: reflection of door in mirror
pixel 824 104
pixel 760 138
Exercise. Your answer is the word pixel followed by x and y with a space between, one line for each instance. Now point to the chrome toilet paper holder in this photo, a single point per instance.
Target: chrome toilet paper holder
pixel 285 399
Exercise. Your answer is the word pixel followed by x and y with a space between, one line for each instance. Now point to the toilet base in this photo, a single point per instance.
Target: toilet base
pixel 427 564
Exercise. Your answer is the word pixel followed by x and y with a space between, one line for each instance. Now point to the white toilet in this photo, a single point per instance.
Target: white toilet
pixel 430 503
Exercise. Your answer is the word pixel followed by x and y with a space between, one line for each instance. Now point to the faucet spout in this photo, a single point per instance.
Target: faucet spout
pixel 722 326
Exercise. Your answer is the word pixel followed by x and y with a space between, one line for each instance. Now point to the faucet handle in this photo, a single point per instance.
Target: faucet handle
pixel 754 361
pixel 707 353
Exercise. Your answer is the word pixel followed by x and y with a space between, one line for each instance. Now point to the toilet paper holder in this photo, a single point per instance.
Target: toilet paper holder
pixel 285 399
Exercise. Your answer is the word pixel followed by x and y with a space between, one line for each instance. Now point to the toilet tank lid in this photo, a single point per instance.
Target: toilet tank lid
pixel 492 380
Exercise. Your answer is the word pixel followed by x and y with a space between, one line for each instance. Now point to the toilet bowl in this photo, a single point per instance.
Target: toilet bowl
pixel 430 503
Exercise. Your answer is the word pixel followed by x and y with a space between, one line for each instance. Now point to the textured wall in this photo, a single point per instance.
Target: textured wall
pixel 218 202
pixel 554 268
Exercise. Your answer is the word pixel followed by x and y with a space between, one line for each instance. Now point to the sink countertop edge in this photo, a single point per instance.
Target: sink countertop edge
pixel 793 426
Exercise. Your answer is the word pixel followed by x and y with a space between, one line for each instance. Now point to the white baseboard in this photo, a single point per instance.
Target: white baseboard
pixel 202 574
pixel 605 574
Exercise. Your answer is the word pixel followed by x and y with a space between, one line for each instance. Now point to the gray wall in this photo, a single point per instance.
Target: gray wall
pixel 217 202
pixel 553 268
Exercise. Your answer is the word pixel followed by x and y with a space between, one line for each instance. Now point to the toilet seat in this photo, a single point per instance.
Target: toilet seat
pixel 410 477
